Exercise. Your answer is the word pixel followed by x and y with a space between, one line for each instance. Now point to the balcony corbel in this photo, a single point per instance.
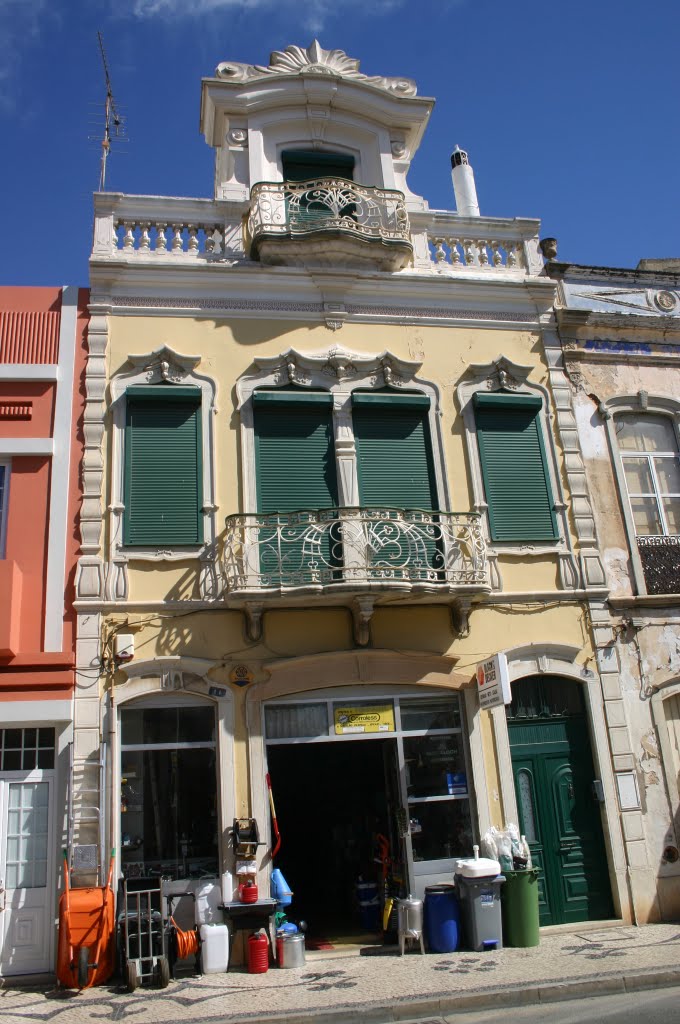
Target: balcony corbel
pixel 254 611
pixel 460 617
pixel 362 612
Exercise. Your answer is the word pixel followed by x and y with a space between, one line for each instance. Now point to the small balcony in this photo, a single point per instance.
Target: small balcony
pixel 328 222
pixel 350 555
pixel 660 557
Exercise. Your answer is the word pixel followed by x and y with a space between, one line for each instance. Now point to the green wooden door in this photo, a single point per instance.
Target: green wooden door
pixel 553 774
pixel 295 469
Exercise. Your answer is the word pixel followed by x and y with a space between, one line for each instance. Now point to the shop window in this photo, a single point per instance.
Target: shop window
pixel 291 721
pixel 4 503
pixel 514 467
pixel 168 791
pixel 163 483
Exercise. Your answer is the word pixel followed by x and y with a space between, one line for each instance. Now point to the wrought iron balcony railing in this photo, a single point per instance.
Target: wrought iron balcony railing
pixel 297 209
pixel 660 557
pixel 350 548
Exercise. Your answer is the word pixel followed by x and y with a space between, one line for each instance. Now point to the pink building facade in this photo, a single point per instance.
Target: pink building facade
pixel 42 359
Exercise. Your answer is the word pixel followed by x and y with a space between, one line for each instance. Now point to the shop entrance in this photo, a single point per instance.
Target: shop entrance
pixel 366 791
pixel 334 803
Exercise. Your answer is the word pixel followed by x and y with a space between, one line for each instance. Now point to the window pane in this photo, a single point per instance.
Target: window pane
pixel 671 507
pixel 435 765
pixel 638 476
pixel 645 433
pixel 169 813
pixel 441 830
pixel 430 714
pixel 167 725
pixel 295 721
pixel 526 804
pixel 668 474
pixel 645 515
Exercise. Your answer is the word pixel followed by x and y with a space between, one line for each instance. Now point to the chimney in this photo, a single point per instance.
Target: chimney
pixel 464 190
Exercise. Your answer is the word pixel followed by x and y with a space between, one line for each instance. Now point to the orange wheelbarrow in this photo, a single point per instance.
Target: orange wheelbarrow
pixel 86 950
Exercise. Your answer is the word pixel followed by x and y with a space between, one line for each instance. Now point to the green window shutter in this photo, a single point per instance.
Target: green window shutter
pixel 394 453
pixel 163 467
pixel 294 456
pixel 295 470
pixel 514 468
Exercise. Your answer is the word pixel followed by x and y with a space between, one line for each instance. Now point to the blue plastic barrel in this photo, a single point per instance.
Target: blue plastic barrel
pixel 442 919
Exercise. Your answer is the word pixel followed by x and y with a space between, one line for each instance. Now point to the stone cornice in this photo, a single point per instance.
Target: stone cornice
pixel 572 318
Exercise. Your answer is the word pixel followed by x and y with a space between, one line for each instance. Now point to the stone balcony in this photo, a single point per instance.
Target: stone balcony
pixel 357 557
pixel 328 221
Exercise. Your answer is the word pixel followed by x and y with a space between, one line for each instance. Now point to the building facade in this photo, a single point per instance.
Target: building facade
pixel 620 334
pixel 331 464
pixel 42 358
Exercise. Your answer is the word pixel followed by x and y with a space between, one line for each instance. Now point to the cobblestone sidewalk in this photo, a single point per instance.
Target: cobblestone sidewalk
pixel 378 985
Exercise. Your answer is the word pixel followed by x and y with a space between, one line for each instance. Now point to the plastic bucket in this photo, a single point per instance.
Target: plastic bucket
pixel 442 919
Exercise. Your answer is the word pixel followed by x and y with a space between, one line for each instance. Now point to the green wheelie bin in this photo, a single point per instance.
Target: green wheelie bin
pixel 520 907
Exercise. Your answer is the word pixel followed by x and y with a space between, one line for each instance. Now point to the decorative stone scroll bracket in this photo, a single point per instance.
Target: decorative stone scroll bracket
pixel 362 611
pixel 460 617
pixel 254 612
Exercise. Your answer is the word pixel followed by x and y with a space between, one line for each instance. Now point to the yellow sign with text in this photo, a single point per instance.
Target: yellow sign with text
pixel 375 718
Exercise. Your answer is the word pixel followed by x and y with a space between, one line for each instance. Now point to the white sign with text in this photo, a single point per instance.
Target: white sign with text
pixel 493 683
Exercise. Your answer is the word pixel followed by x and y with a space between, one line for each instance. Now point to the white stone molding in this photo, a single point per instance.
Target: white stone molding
pixel 566 428
pixel 504 376
pixel 162 367
pixel 338 372
pixel 171 679
pixel 560 660
pixel 28 372
pixel 640 404
pixel 10 446
pixel 59 513
pixel 297 60
pixel 91 572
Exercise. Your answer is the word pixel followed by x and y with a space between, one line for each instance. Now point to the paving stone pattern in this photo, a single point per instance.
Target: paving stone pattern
pixel 377 986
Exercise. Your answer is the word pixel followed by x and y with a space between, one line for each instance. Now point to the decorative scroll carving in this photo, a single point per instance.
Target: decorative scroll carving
pixel 296 60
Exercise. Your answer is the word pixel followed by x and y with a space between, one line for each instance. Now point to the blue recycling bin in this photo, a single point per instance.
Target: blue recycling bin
pixel 442 919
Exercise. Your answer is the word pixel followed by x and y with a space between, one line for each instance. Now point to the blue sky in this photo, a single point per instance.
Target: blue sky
pixel 569 110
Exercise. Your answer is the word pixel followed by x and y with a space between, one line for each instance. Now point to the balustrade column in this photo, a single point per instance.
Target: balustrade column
pixel 161 240
pixel 177 240
pixel 144 242
pixel 129 239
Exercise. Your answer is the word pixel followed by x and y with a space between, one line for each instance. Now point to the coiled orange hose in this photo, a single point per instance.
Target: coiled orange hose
pixel 187 942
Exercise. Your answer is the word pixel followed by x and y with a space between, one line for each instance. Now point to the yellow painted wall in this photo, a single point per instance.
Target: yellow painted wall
pixel 227 348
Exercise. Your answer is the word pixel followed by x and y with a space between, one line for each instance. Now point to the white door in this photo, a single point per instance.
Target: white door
pixel 26 875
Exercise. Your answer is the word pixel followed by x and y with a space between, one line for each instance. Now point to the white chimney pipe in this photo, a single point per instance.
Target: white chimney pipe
pixel 464 190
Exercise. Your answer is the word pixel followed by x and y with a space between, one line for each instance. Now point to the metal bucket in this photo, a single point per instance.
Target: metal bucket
pixel 410 911
pixel 290 949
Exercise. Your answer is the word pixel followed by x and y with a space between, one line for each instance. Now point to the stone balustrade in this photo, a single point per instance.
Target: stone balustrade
pixel 155 227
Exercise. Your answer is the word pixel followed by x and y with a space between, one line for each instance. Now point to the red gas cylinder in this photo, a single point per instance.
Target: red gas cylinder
pixel 258 954
pixel 247 892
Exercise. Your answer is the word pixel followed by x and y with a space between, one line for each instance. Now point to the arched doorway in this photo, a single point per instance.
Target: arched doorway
pixel 557 800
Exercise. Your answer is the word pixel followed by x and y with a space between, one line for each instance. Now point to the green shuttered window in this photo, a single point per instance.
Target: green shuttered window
pixel 394 454
pixel 294 452
pixel 163 466
pixel 514 468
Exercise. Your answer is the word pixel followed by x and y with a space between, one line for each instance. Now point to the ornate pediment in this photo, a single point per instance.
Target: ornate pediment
pixel 295 60
pixel 501 375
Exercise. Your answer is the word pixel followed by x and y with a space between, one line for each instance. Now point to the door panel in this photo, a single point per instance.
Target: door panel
pixel 25 924
pixel 553 773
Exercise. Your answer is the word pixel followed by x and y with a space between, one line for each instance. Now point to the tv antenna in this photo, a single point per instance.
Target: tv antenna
pixel 113 122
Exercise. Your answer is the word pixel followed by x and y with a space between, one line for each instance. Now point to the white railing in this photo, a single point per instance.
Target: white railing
pixel 471 245
pixel 295 209
pixel 355 547
pixel 160 227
